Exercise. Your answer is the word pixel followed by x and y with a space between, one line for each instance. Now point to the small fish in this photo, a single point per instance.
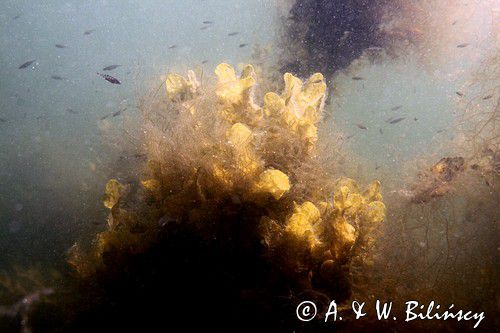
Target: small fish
pixel 70 110
pixel 363 127
pixel 110 67
pixel 487 97
pixel 57 77
pixel 461 46
pixel 440 131
pixel 234 33
pixel 61 46
pixel 377 167
pixel 243 45
pixel 459 93
pixel 204 27
pixel 106 116
pixel 397 120
pixel 396 108
pixel 415 118
pixel 88 32
pixel 109 78
pixel 26 64
pixel 454 22
pixel 380 130
pixel 173 46
pixel 3 120
pixel 208 22
pixel 16 17
pixel 357 78
pixel 117 113
pixel 204 61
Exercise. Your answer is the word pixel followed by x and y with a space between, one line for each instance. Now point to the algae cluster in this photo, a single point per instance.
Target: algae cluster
pixel 240 177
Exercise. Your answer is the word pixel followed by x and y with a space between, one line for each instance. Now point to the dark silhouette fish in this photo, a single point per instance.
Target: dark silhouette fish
pixel 243 45
pixel 3 120
pixel 380 130
pixel 110 67
pixel 208 22
pixel 397 120
pixel 57 77
pixel 461 94
pixel 363 127
pixel 119 112
pixel 234 33
pixel 204 61
pixel 16 17
pixel 70 110
pixel 397 107
pixel 487 97
pixel 204 27
pixel 26 64
pixel 61 46
pixel 173 46
pixel 358 78
pixel 109 78
pixel 460 46
pixel 88 32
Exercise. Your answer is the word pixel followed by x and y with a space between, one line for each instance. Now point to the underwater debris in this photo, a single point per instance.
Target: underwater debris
pixel 24 307
pixel 22 291
pixel 436 182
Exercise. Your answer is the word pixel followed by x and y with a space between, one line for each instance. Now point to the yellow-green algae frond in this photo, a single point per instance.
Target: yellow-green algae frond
pixel 231 167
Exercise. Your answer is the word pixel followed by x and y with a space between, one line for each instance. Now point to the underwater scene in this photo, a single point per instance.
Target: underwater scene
pixel 249 166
